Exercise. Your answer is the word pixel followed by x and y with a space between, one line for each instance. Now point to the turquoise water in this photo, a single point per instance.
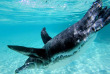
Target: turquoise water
pixel 21 22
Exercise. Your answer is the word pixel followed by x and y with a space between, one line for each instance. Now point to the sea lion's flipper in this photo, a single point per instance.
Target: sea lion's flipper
pixel 44 35
pixel 32 52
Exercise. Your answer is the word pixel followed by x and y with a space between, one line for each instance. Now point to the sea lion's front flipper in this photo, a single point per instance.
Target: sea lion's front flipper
pixel 32 52
pixel 44 35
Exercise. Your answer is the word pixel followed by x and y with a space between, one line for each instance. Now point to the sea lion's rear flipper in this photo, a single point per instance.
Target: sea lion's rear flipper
pixel 32 52
pixel 44 35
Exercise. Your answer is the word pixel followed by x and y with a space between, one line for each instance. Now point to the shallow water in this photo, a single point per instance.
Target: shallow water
pixel 21 22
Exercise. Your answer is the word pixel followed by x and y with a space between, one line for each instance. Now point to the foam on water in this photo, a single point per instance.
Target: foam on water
pixel 21 22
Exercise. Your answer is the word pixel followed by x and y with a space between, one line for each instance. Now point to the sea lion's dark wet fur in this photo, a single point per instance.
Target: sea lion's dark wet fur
pixel 94 20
